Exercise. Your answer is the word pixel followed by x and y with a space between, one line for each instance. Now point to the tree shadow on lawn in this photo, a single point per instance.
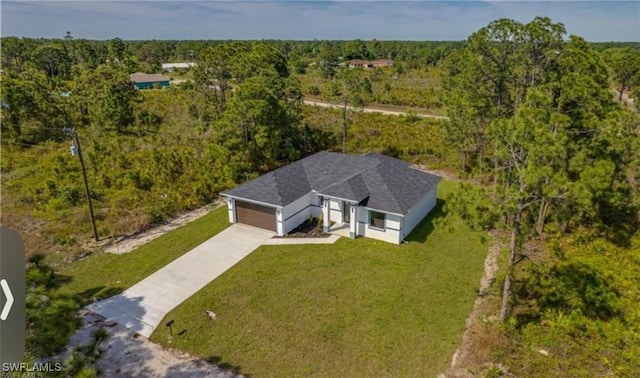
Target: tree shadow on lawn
pixel 59 280
pixel 124 352
pixel 96 293
pixel 428 224
pixel 235 369
pixel 567 288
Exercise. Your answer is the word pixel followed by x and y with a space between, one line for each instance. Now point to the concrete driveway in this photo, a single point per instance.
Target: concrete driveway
pixel 142 307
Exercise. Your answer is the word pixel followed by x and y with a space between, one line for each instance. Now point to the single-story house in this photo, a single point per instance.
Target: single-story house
pixel 373 195
pixel 169 67
pixel 354 63
pixel 382 63
pixel 145 81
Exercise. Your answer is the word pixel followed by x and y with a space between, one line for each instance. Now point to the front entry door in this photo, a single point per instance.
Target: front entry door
pixel 346 212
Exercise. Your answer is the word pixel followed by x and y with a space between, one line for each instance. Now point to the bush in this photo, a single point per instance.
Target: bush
pixel 574 287
pixel 85 357
pixel 51 317
pixel 314 90
pixel 474 206
pixel 411 116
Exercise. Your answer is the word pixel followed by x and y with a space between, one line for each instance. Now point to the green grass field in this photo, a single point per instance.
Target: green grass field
pixel 356 308
pixel 104 274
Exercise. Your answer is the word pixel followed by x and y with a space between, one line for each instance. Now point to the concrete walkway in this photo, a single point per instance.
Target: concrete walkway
pixel 282 241
pixel 142 307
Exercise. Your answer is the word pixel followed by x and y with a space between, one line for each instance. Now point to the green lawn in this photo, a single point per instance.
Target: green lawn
pixel 104 274
pixel 355 308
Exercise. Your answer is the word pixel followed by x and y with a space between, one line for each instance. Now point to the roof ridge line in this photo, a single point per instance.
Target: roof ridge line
pixel 388 190
pixel 354 175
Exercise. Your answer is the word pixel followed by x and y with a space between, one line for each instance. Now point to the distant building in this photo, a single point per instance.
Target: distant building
pixel 354 63
pixel 169 67
pixel 146 81
pixel 382 63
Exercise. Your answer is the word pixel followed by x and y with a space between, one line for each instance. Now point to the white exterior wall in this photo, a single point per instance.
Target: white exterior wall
pixel 316 209
pixel 392 224
pixel 336 211
pixel 420 210
pixel 297 212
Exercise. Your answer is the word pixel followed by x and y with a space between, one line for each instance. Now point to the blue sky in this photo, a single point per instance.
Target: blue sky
pixel 384 20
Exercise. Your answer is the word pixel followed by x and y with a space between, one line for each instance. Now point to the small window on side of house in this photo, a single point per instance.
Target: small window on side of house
pixel 376 219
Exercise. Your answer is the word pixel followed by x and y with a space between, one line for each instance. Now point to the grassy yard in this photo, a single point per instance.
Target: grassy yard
pixel 104 274
pixel 356 308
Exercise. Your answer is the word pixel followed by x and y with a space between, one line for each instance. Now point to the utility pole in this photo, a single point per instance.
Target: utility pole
pixel 78 149
pixel 344 127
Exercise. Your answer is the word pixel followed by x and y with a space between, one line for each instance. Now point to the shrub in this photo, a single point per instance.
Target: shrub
pixel 51 318
pixel 574 287
pixel 314 90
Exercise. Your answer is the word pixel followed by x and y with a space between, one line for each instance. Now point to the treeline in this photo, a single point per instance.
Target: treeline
pixel 533 113
pixel 148 55
pixel 534 119
pixel 60 54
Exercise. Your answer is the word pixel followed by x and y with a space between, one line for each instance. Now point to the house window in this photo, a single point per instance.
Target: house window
pixel 376 219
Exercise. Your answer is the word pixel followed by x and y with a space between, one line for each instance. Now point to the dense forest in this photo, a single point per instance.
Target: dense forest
pixel 542 127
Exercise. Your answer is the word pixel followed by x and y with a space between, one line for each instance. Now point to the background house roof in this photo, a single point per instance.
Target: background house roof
pixel 140 77
pixel 381 182
pixel 178 65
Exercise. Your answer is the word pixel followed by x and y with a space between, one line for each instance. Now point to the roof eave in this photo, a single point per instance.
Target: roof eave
pixel 342 199
pixel 235 197
pixel 386 211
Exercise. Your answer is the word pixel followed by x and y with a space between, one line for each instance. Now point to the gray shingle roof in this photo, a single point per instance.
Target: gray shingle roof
pixel 354 189
pixel 382 182
pixel 141 77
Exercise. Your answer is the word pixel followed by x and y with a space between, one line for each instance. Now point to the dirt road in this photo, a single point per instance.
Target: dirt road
pixel 369 110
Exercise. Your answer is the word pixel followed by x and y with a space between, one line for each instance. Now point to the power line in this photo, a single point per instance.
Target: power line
pixel 3 124
pixel 4 141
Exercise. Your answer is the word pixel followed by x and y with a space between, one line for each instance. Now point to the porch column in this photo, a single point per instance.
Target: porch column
pixel 232 210
pixel 279 222
pixel 353 222
pixel 326 214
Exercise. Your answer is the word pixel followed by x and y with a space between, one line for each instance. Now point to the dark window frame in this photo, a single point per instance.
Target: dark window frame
pixel 372 217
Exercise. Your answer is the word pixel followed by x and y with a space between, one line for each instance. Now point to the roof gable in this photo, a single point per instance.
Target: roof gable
pixel 354 189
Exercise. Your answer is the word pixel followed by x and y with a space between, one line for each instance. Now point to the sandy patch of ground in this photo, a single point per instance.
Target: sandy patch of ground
pixel 626 99
pixel 126 244
pixel 126 354
pixel 444 174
